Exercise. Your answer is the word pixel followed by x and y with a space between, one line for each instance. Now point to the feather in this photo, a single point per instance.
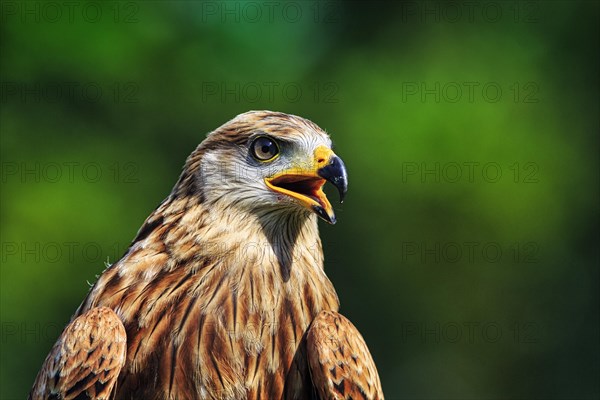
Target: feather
pixel 341 365
pixel 86 360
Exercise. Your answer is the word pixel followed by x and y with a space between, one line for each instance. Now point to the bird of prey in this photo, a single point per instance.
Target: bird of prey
pixel 222 294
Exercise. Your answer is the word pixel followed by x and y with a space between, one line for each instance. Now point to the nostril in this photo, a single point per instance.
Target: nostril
pixel 321 160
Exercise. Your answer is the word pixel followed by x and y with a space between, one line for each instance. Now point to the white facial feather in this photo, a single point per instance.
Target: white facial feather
pixel 232 177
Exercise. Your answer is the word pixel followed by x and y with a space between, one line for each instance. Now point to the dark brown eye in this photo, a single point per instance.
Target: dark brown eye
pixel 264 148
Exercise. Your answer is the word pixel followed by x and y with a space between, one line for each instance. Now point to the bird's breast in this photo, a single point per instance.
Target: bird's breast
pixel 215 330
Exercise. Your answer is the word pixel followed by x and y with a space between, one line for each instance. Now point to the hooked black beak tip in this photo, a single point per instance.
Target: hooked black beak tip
pixel 323 214
pixel 335 172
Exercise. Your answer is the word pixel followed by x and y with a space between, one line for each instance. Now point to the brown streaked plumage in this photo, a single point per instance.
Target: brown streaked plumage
pixel 86 359
pixel 340 362
pixel 222 294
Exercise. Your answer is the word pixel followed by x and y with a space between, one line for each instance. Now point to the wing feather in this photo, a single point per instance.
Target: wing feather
pixel 340 363
pixel 86 359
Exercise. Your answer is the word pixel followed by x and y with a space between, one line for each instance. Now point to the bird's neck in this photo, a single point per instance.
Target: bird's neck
pixel 284 238
pixel 279 241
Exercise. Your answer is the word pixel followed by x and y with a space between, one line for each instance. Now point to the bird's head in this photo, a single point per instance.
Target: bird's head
pixel 266 162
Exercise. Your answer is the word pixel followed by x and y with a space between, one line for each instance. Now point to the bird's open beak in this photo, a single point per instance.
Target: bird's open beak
pixel 306 184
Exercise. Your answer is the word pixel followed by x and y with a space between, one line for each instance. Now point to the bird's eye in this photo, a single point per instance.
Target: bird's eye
pixel 264 148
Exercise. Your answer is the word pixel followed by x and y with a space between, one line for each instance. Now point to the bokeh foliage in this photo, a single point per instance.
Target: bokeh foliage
pixel 414 254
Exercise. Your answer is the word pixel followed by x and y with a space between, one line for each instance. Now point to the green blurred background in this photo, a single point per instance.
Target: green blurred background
pixel 467 249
